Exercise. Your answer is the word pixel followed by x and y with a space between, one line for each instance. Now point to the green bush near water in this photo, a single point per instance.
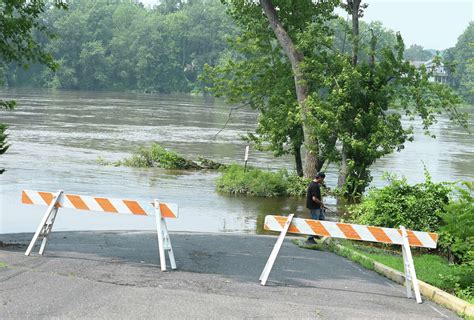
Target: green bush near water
pixel 430 207
pixel 158 157
pixel 415 207
pixel 236 180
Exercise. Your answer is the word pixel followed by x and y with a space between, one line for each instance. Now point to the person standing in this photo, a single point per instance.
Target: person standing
pixel 314 201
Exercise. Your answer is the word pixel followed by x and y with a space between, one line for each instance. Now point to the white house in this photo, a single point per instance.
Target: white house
pixel 439 75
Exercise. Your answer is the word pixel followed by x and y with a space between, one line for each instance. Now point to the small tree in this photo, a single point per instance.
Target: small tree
pixel 368 98
pixel 18 19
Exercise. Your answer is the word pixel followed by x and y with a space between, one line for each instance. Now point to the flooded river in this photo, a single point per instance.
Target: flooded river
pixel 57 136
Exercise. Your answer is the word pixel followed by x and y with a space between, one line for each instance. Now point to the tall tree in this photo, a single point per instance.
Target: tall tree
pixel 460 63
pixel 18 19
pixel 275 45
pixel 296 59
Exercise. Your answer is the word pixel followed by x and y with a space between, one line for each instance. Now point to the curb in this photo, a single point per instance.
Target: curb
pixel 430 292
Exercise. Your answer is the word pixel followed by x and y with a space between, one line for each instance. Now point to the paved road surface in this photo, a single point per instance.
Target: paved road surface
pixel 116 275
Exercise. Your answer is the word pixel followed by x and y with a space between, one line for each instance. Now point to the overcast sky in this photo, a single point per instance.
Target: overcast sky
pixel 433 24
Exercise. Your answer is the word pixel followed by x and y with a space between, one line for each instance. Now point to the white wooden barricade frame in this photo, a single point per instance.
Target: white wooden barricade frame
pixel 409 266
pixel 47 222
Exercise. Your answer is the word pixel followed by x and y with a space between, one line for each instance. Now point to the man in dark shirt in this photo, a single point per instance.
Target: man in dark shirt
pixel 314 201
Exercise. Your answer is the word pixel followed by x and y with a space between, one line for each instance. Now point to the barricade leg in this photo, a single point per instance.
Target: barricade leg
pixel 47 230
pixel 271 260
pixel 406 269
pixel 159 233
pixel 410 276
pixel 44 226
pixel 167 243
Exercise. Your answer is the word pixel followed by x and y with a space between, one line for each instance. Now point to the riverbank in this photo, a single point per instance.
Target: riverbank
pixel 116 274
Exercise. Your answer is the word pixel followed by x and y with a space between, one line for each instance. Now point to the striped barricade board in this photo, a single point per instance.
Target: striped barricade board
pixel 401 236
pixel 58 200
pixel 90 203
pixel 351 231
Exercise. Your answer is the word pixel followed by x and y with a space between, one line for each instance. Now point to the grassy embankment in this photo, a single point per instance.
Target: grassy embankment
pixel 430 268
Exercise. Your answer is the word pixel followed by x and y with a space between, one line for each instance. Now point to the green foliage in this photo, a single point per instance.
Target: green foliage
pixel 236 180
pixel 3 141
pixel 460 64
pixel 458 223
pixel 123 45
pixel 157 156
pixel 430 268
pixel 19 19
pixel 349 105
pixel 416 207
pixel 360 106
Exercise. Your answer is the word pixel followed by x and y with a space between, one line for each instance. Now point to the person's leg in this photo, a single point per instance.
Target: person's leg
pixel 315 216
pixel 322 214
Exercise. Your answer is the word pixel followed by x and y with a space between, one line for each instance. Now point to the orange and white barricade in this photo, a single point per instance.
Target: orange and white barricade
pixel 57 200
pixel 353 232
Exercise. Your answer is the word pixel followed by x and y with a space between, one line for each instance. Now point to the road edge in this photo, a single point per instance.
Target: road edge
pixel 430 292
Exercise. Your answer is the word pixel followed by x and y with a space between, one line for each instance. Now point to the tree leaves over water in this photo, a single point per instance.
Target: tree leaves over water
pixel 18 20
pixel 120 45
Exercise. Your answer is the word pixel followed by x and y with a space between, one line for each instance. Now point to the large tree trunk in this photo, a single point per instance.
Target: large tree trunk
pixel 341 180
pixel 302 91
pixel 355 5
pixel 298 162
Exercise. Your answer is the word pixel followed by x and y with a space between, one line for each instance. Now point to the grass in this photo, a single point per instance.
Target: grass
pixel 430 268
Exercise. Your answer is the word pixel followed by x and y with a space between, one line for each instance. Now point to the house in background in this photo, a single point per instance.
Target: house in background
pixel 440 74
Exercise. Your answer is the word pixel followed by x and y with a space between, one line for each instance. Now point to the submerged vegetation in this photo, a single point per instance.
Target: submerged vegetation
pixel 158 157
pixel 237 180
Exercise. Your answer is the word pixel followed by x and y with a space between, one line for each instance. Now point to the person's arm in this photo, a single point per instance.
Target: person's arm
pixel 315 199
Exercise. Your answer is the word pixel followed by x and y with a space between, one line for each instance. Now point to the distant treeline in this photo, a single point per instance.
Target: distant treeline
pixel 121 45
pixel 114 45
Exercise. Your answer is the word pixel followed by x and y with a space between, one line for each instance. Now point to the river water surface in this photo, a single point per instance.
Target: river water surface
pixel 57 136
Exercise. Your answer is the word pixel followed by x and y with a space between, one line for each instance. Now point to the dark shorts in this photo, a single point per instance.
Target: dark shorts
pixel 317 214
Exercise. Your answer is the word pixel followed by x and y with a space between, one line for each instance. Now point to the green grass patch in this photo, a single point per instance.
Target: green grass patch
pixel 430 268
pixel 237 180
pixel 3 265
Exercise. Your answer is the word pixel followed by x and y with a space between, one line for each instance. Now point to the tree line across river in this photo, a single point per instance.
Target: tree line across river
pixel 119 45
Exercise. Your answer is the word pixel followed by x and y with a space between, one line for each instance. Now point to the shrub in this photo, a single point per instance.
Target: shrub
pixel 417 207
pixel 256 182
pixel 458 223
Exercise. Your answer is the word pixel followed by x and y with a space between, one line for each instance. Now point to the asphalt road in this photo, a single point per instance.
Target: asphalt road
pixel 116 275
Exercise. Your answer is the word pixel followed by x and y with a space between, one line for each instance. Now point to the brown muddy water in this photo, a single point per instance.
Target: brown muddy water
pixel 57 136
